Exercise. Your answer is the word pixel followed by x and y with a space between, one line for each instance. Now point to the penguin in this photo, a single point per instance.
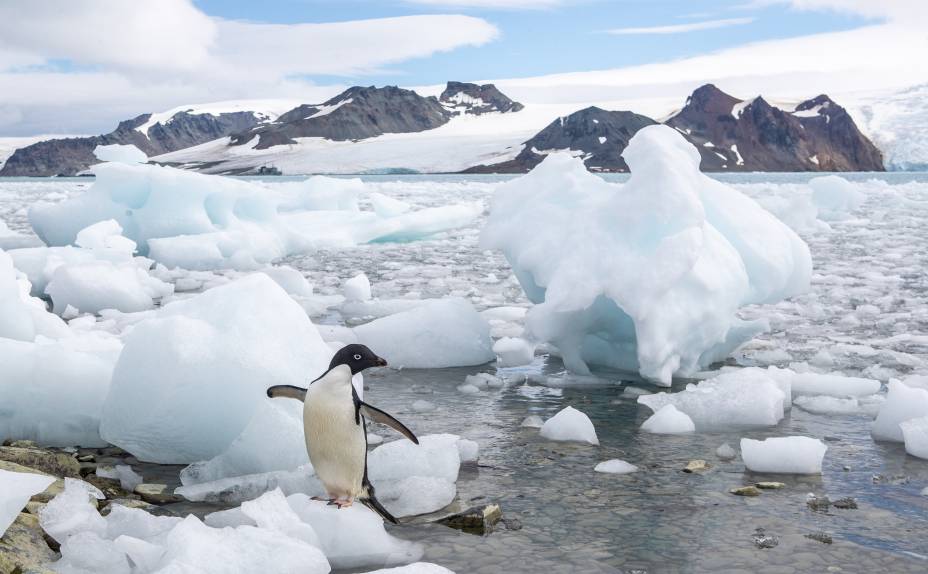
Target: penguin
pixel 334 428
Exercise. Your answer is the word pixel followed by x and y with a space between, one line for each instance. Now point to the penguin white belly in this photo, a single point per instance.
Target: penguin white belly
pixel 335 442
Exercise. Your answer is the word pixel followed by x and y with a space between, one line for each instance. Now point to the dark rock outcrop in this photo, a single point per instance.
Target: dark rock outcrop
pixel 355 114
pixel 598 136
pixel 462 97
pixel 753 135
pixel 70 156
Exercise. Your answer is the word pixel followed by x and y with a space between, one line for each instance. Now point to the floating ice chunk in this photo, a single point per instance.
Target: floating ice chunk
pixel 915 433
pixel 235 490
pixel 128 478
pixel 668 420
pixel 533 421
pixel 421 406
pixel 417 568
pixel 193 547
pixel 272 440
pixel 700 250
pixel 615 466
pixel 385 206
pixel 87 551
pixel 835 197
pixel 468 389
pixel 513 352
pixel 358 288
pixel 484 381
pixel 291 280
pixel 416 479
pixel 469 450
pixel 144 555
pixel 105 235
pixel 23 317
pixel 120 153
pixel 374 439
pixel 569 424
pixel 53 390
pixel 440 333
pixel 190 379
pixel 725 452
pixel 902 403
pixel 353 537
pixel 746 397
pixel 785 455
pixel 71 512
pixel 137 523
pixel 827 405
pixel 16 488
pixel 271 511
pixel 97 285
pixel 833 384
pixel 322 193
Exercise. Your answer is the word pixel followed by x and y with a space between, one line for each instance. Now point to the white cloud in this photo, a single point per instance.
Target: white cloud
pixel 126 58
pixel 902 12
pixel 681 28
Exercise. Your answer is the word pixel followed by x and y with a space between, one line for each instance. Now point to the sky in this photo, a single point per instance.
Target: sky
pixel 81 66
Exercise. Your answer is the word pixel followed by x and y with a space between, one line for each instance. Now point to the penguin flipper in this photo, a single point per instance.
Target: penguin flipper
pixel 379 416
pixel 287 391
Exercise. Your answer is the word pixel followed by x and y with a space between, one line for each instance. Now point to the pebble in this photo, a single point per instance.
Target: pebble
pixel 769 485
pixel 697 465
pixel 745 491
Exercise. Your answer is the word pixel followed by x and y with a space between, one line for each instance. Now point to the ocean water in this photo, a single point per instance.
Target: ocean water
pixel 658 519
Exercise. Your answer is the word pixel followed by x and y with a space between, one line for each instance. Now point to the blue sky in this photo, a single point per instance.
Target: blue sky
pixel 566 38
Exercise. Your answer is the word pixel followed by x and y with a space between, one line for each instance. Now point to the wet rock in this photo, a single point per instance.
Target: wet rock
pixel 822 537
pixel 23 547
pixel 33 507
pixel 764 540
pixel 697 465
pixel 86 458
pixel 476 520
pixel 88 468
pixel 107 505
pixel 156 493
pixel 818 503
pixel 769 485
pixel 895 480
pixel 846 503
pixel 750 490
pixel 20 443
pixel 46 461
pixel 511 523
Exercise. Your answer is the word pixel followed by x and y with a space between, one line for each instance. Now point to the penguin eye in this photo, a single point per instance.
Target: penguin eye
pixel 357 357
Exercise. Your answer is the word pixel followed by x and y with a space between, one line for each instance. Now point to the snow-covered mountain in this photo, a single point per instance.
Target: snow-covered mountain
pixel 477 128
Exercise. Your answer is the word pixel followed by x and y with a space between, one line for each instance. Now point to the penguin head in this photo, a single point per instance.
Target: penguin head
pixel 357 357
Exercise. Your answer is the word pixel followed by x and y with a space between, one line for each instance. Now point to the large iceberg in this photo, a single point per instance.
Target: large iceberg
pixel 196 221
pixel 191 379
pixel 645 276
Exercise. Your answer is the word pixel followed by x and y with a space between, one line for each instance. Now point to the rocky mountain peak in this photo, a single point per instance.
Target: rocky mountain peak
pixel 467 98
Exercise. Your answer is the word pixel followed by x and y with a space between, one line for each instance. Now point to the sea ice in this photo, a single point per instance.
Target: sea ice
pixel 668 420
pixel 513 352
pixel 191 378
pixel 533 421
pixel 915 433
pixel 291 280
pixel 97 285
pixel 745 397
pixel 16 488
pixel 615 466
pixel 128 478
pixel 572 238
pixel 119 153
pixel 416 479
pixel 902 403
pixel 833 384
pixel 569 424
pixel 725 452
pixel 23 317
pixel 358 288
pixel 785 455
pixel 439 333
pixel 835 197
pixel 469 450
pixel 71 512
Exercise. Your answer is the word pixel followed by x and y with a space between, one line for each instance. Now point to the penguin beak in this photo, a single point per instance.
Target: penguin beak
pixel 381 362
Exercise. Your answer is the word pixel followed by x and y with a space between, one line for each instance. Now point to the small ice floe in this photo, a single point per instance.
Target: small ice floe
pixel 374 439
pixel 570 425
pixel 725 452
pixel 915 433
pixel 358 288
pixel 903 402
pixel 668 420
pixel 469 450
pixel 421 406
pixel 513 352
pixel 468 389
pixel 833 384
pixel 785 455
pixel 532 421
pixel 128 478
pixel 615 466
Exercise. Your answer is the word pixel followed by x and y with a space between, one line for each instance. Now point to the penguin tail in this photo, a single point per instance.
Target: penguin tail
pixel 371 502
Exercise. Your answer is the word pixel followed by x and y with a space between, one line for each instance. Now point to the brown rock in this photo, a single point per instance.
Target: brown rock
pixel 697 465
pixel 745 491
pixel 46 461
pixel 769 485
pixel 110 487
pixel 23 547
pixel 476 520
pixel 156 493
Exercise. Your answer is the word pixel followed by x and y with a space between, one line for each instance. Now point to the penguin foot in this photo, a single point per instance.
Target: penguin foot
pixel 343 503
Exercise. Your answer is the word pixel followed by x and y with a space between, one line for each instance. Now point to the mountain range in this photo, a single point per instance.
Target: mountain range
pixel 466 128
